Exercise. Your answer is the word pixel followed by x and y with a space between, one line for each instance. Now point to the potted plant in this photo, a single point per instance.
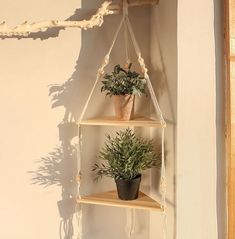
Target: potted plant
pixel 122 85
pixel 125 156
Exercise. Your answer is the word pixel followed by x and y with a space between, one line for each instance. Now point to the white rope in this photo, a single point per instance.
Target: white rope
pixel 163 185
pixel 130 222
pixel 116 35
pixel 133 38
pixel 133 214
pixel 160 115
pixel 163 172
pixel 78 179
pixel 79 156
pixel 130 213
pixel 101 69
pixel 126 37
pixel 145 71
pixel 155 102
pixel 127 49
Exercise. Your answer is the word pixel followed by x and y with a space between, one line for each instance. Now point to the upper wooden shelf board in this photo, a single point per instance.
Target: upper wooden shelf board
pixel 139 121
pixel 111 199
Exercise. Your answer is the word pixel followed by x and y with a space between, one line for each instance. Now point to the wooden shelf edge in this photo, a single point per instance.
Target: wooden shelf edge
pixel 110 199
pixel 139 121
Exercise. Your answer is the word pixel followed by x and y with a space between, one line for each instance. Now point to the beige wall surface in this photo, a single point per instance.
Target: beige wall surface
pixel 37 169
pixel 200 137
pixel 164 77
pixel 28 123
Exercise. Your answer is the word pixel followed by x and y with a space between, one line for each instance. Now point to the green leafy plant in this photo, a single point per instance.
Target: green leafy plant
pixel 123 82
pixel 126 156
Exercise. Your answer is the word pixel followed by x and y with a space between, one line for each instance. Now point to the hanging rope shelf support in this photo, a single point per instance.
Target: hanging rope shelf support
pixel 128 33
pixel 97 20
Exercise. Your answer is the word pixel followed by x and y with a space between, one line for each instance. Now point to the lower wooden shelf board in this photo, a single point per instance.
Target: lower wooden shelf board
pixel 138 121
pixel 111 199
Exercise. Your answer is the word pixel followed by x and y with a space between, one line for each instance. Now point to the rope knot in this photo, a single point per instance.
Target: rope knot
pixel 163 123
pixel 79 177
pixel 163 185
pixel 106 60
pixel 101 71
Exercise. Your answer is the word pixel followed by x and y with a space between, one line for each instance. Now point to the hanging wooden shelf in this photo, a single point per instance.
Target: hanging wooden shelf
pixel 139 121
pixel 111 199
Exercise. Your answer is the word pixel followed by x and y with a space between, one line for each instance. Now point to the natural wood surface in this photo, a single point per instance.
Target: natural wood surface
pixel 139 121
pixel 230 112
pixel 111 199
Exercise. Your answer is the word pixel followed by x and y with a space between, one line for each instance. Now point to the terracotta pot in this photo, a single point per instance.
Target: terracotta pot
pixel 124 106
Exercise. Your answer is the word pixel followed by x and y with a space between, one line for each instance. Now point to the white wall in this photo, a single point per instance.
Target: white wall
pixel 164 77
pixel 198 131
pixel 194 108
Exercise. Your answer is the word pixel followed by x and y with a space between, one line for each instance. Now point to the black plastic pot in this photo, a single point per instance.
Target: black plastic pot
pixel 128 189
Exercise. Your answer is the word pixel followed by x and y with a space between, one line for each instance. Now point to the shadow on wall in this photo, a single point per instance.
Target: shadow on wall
pixel 59 167
pixel 220 123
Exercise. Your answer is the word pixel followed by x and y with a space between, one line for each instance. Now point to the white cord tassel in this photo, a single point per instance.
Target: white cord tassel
pixel 163 172
pixel 133 218
pixel 78 179
pixel 165 225
pixel 130 213
pixel 130 222
pixel 80 234
pixel 163 185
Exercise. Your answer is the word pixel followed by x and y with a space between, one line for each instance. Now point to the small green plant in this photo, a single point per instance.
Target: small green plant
pixel 123 82
pixel 126 156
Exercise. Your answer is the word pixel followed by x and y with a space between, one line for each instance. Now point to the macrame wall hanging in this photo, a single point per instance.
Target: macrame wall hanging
pixel 128 32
